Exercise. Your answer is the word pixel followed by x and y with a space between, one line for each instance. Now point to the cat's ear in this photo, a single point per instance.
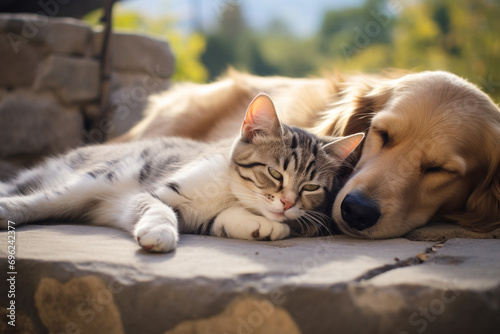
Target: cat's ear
pixel 261 117
pixel 344 146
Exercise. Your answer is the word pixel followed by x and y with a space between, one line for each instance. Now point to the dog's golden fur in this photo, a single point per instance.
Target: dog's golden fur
pixel 432 149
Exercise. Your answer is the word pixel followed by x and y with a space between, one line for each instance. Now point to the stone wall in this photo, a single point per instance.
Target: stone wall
pixel 50 87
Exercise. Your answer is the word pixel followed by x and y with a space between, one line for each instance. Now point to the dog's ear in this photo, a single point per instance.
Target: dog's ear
pixel 483 205
pixel 366 105
pixel 358 103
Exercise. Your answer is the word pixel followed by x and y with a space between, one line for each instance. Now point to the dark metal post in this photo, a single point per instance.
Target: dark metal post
pixel 102 123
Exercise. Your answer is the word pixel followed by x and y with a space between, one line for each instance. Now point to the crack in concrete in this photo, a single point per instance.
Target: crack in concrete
pixel 411 261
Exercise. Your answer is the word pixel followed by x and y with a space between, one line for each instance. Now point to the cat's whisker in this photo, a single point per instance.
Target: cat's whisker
pixel 307 229
pixel 317 224
pixel 318 218
pixel 310 221
pixel 326 219
pixel 317 213
pixel 301 224
pixel 304 227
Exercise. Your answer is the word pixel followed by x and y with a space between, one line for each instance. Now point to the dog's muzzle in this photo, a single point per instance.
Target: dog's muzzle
pixel 359 212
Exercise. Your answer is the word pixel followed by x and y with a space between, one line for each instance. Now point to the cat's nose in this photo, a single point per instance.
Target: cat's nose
pixel 286 205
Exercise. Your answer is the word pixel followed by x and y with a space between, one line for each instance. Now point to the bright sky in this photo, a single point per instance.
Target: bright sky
pixel 302 16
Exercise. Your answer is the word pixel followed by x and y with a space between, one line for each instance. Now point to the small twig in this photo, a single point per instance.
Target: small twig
pixel 101 124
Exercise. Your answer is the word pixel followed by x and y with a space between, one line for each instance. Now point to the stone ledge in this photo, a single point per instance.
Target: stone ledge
pixel 438 231
pixel 97 279
pixel 56 34
pixel 51 66
pixel 127 53
pixel 72 79
pixel 17 69
pixel 34 124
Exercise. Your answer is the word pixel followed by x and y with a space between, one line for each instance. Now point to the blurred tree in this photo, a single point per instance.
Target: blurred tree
pixel 227 44
pixel 358 38
pixel 233 43
pixel 416 39
pixel 286 54
pixel 257 62
pixel 336 28
pixel 218 55
pixel 371 23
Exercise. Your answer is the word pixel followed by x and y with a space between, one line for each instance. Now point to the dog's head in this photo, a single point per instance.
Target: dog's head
pixel 432 150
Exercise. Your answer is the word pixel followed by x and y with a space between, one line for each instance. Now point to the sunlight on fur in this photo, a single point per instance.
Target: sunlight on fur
pixel 432 150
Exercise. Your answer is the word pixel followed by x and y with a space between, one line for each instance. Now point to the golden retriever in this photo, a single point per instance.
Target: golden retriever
pixel 432 149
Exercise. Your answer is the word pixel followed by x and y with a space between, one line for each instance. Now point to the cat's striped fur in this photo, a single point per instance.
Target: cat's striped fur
pixel 249 188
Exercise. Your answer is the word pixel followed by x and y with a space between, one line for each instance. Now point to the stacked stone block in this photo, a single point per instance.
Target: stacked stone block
pixel 50 85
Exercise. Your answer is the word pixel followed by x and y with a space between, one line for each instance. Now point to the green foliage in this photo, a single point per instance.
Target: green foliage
pixel 233 44
pixel 461 36
pixel 187 49
pixel 290 56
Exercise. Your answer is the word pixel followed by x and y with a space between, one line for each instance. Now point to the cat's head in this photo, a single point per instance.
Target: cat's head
pixel 279 171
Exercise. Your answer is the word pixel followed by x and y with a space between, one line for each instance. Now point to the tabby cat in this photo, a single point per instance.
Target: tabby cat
pixel 248 188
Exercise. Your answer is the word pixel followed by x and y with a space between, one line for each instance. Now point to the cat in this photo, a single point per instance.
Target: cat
pixel 248 188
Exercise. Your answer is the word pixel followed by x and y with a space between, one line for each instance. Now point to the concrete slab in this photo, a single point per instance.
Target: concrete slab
pixel 81 279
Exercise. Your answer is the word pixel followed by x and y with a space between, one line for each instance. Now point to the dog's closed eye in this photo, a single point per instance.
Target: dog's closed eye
pixel 384 137
pixel 435 170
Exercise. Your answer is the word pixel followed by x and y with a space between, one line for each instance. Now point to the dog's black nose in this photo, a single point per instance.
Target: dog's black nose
pixel 359 212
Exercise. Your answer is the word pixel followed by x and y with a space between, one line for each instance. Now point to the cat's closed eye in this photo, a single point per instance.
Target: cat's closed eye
pixel 310 187
pixel 275 174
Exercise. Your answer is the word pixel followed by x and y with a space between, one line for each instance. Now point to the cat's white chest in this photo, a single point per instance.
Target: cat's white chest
pixel 203 190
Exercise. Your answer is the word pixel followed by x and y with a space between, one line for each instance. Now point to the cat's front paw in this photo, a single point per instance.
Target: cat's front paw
pixel 239 223
pixel 160 238
pixel 270 230
pixel 251 227
pixel 157 233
